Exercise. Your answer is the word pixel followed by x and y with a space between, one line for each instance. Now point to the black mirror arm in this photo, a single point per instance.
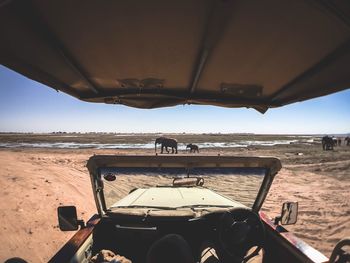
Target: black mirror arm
pixel 277 220
pixel 81 223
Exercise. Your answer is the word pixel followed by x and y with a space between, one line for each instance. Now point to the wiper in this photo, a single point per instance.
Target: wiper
pixel 204 206
pixel 144 206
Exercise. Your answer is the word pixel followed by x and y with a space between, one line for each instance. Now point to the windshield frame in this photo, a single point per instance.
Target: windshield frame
pixel 270 164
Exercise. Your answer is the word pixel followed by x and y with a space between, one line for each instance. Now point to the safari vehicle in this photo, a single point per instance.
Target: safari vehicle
pixel 142 198
pixel 149 54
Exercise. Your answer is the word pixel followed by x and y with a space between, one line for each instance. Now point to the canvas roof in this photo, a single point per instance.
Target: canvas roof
pixel 156 53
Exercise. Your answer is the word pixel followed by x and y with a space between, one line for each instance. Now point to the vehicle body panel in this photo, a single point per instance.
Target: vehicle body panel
pixel 286 247
pixel 283 243
pixel 72 250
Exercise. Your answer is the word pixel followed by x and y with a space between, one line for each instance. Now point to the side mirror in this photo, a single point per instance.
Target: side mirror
pixel 289 214
pixel 67 218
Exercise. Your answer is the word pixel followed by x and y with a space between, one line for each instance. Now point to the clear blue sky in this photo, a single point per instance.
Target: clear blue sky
pixel 27 106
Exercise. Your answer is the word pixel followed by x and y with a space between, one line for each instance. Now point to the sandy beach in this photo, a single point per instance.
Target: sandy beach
pixel 35 181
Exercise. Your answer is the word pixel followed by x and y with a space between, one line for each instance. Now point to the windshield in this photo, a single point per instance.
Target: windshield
pixel 174 188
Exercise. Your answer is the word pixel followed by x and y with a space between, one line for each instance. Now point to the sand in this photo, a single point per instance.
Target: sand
pixel 35 182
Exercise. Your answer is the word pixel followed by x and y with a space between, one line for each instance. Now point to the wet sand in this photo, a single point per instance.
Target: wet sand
pixel 35 181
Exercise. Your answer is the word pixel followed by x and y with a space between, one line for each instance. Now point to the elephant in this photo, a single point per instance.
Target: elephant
pixel 327 143
pixel 337 141
pixel 193 148
pixel 166 142
pixel 347 141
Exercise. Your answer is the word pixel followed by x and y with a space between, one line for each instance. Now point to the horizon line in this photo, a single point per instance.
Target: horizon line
pixel 173 133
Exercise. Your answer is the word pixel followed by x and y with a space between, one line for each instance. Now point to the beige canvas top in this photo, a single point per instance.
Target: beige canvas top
pixel 156 53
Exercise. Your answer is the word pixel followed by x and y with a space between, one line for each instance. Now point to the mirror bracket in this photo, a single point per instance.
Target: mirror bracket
pixel 277 220
pixel 81 223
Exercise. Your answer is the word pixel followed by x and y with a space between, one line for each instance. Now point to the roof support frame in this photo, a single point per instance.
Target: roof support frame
pixel 117 95
pixel 219 15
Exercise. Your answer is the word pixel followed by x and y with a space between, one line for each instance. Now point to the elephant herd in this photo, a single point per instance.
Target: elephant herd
pixel 328 143
pixel 167 143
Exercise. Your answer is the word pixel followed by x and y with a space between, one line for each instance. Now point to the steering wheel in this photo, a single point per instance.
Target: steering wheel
pixel 339 255
pixel 239 230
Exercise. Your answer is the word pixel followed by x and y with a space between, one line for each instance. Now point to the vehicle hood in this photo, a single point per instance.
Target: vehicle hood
pixel 176 197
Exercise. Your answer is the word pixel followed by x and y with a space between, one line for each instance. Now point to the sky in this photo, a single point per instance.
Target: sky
pixel 28 106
